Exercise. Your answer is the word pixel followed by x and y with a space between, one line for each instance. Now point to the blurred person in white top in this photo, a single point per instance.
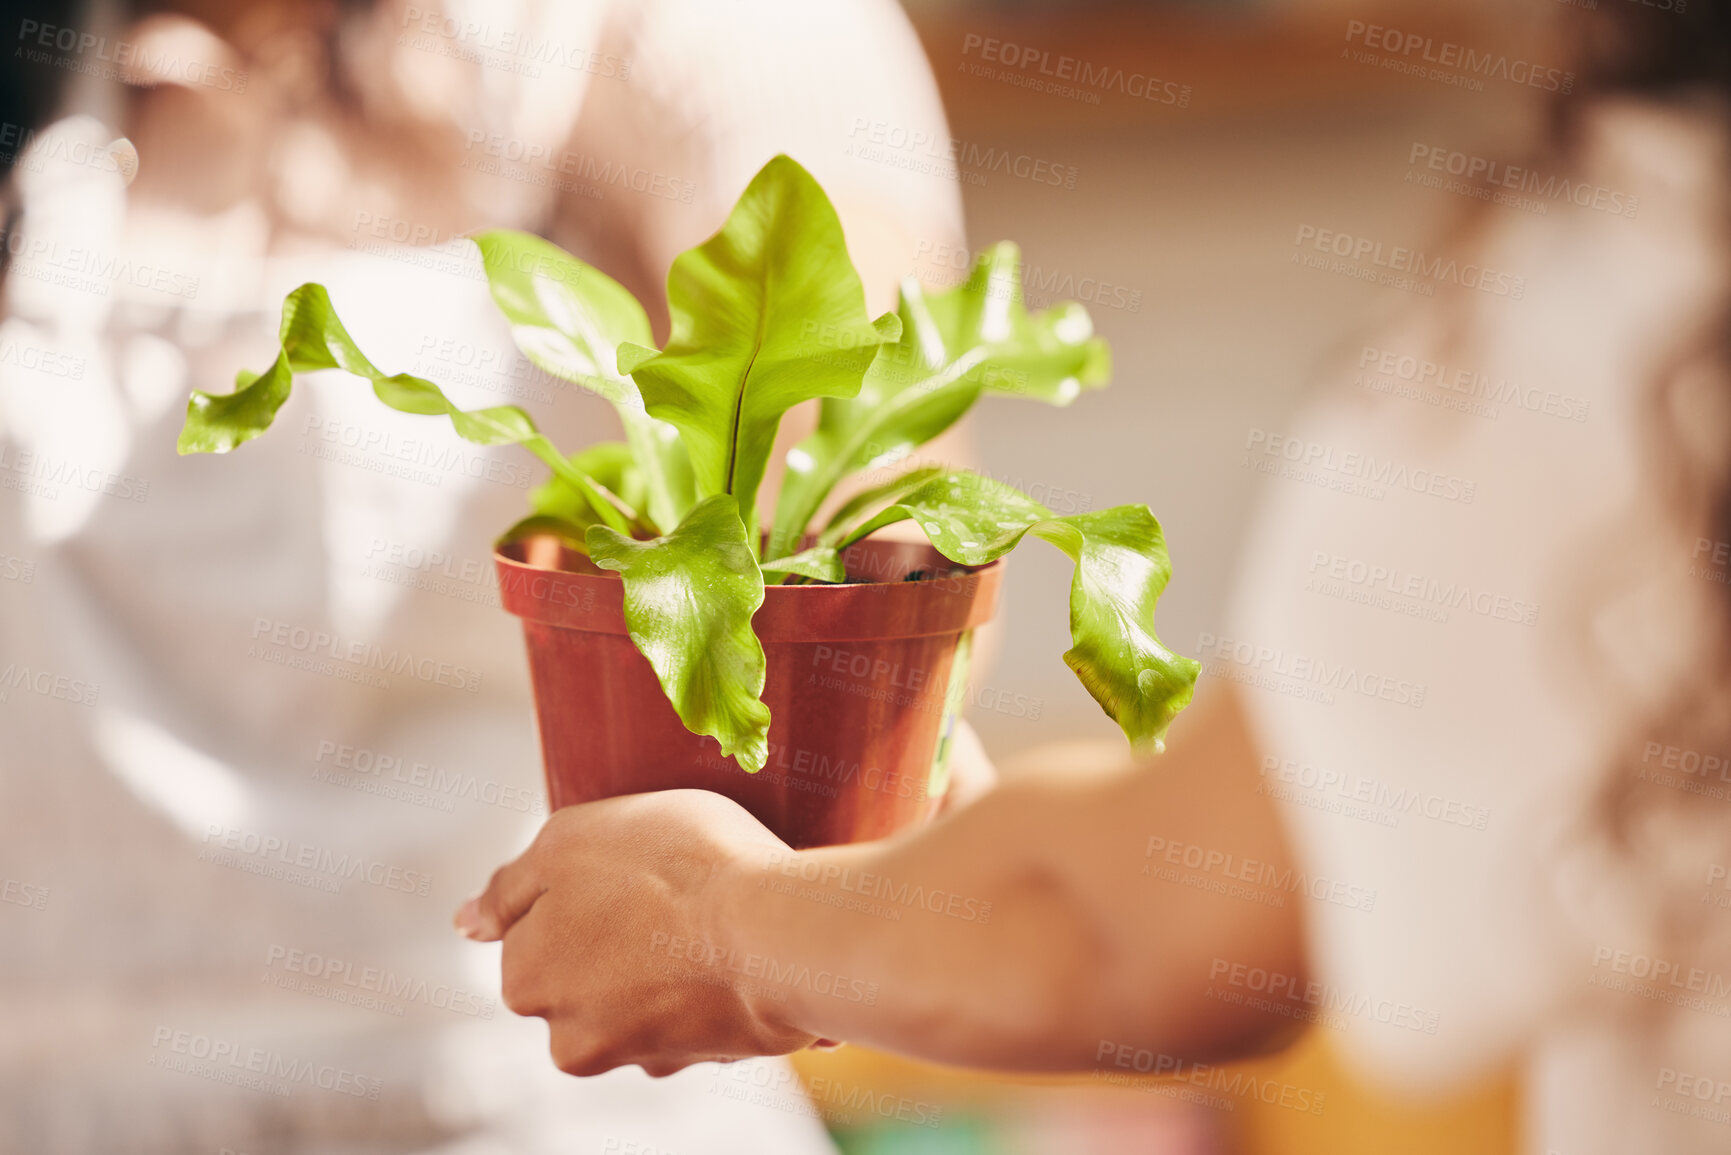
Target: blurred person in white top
pixel 1471 725
pixel 195 782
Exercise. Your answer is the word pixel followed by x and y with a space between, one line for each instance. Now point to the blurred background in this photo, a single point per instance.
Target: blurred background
pixel 156 797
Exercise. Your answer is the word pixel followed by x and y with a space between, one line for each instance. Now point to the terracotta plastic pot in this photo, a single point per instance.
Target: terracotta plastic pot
pixel 863 685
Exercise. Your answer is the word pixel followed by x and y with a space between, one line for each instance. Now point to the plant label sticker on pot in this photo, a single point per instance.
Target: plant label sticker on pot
pixel 938 780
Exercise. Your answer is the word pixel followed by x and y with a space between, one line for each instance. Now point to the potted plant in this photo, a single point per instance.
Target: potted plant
pixel 807 669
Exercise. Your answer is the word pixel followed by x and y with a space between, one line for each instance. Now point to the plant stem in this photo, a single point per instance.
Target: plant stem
pixel 607 505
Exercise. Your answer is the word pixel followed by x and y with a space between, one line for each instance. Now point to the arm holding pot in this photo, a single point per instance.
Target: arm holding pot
pixel 1027 931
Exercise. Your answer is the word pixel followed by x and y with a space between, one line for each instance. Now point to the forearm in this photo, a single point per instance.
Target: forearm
pixel 903 946
pixel 1024 931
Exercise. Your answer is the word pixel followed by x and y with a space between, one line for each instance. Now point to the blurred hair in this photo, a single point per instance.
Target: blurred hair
pixel 1680 60
pixel 29 96
pixel 30 93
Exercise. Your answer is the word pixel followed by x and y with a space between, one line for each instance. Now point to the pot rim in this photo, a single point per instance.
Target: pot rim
pixel 592 600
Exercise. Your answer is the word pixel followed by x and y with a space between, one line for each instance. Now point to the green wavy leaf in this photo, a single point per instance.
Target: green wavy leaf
pixel 955 345
pixel 820 563
pixel 312 338
pixel 689 598
pixel 569 318
pixel 1121 568
pixel 767 313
